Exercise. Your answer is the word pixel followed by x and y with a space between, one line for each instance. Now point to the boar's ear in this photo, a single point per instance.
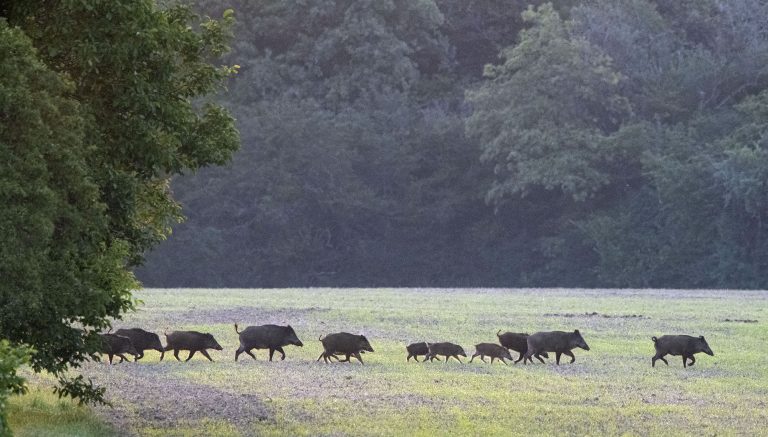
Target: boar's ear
pixel 701 337
pixel 576 331
pixel 362 337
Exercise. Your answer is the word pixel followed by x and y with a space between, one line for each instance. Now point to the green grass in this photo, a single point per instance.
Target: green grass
pixel 42 414
pixel 610 390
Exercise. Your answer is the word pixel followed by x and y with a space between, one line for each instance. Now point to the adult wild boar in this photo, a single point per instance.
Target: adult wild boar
pixel 558 342
pixel 684 345
pixel 416 349
pixel 518 342
pixel 142 340
pixel 272 337
pixel 446 349
pixel 191 341
pixel 343 343
pixel 116 345
pixel 491 350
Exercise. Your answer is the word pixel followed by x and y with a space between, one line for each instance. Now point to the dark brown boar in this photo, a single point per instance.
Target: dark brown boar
pixel 491 350
pixel 446 349
pixel 518 342
pixel 684 345
pixel 558 342
pixel 344 343
pixel 416 349
pixel 191 341
pixel 116 345
pixel 142 340
pixel 272 337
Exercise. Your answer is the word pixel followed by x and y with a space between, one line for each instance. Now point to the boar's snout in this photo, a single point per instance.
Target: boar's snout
pixel 705 347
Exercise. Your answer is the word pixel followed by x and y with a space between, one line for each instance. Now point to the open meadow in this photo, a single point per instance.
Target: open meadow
pixel 609 390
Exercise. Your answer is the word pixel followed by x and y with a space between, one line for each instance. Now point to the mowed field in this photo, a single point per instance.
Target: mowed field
pixel 609 390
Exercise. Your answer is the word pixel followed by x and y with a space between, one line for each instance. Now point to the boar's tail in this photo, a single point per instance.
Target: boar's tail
pixel 320 338
pixel 497 334
pixel 654 339
pixel 165 332
pixel 236 328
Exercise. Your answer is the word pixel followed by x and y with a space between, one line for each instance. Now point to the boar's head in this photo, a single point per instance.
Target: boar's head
pixel 578 341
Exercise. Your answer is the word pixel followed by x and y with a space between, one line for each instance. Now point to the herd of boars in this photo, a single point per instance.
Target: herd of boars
pixel 135 341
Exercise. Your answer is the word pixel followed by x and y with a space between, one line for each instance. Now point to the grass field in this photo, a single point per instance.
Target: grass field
pixel 610 390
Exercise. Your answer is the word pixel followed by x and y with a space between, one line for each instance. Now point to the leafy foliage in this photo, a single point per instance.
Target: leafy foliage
pixel 603 143
pixel 101 103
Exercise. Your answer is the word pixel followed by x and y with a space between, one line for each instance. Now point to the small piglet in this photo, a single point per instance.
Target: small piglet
pixel 445 349
pixel 191 341
pixel 116 345
pixel 684 345
pixel 558 342
pixel 518 342
pixel 344 343
pixel 142 340
pixel 272 337
pixel 492 350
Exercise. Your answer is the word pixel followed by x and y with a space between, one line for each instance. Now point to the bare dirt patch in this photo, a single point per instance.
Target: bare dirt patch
pixel 146 394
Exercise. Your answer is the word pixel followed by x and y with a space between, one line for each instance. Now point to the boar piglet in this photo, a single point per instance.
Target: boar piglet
pixel 344 343
pixel 445 349
pixel 684 345
pixel 491 350
pixel 272 337
pixel 518 342
pixel 142 340
pixel 558 342
pixel 416 349
pixel 191 341
pixel 116 345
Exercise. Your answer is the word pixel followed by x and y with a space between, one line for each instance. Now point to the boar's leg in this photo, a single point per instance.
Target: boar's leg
pixel 473 357
pixel 557 357
pixel 322 355
pixel 271 353
pixel 540 359
pixel 685 359
pixel 502 360
pixel 238 352
pixel 282 353
pixel 570 354
pixel 492 358
pixel 408 358
pixel 520 358
pixel 457 358
pixel 359 358
pixel 176 354
pixel 205 354
pixel 248 351
pixel 191 353
pixel 110 358
pixel 658 356
pixel 693 360
pixel 139 356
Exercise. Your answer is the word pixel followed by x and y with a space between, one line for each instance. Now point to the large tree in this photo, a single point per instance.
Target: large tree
pixel 102 102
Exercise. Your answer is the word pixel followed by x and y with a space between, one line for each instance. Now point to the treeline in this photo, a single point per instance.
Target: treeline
pixel 485 143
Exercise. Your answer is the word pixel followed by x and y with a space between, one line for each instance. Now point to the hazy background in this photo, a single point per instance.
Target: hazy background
pixel 456 143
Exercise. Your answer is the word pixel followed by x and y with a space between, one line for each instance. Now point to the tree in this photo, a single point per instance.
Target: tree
pixel 107 106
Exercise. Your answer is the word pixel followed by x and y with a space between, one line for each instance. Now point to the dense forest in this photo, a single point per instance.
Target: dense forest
pixel 611 143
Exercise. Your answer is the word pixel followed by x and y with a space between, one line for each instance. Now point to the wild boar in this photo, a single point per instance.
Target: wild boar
pixel 272 337
pixel 142 340
pixel 684 345
pixel 518 342
pixel 191 341
pixel 558 342
pixel 416 349
pixel 350 345
pixel 445 349
pixel 492 350
pixel 116 345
